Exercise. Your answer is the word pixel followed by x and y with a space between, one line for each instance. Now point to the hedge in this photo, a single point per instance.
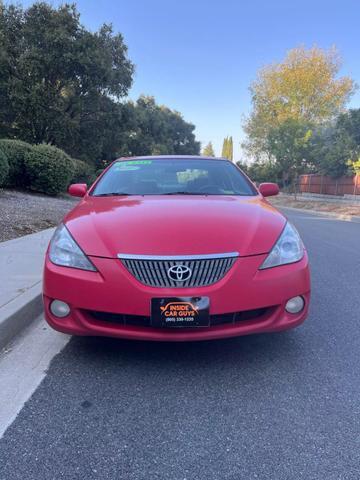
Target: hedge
pixel 42 168
pixel 4 168
pixel 49 169
pixel 15 151
pixel 82 173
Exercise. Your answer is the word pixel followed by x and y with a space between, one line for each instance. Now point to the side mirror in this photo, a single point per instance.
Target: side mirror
pixel 268 189
pixel 77 189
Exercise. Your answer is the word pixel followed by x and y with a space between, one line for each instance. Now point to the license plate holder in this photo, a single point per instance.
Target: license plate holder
pixel 180 312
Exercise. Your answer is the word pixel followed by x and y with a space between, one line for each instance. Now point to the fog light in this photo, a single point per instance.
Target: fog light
pixel 59 309
pixel 295 305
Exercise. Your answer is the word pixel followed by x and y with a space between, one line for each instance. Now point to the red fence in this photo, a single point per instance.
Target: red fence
pixel 325 185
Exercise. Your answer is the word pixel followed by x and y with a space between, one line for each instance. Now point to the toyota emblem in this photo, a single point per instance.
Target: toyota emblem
pixel 179 273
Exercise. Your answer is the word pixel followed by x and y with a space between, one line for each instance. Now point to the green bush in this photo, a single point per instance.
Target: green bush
pixel 15 151
pixel 49 169
pixel 4 168
pixel 82 172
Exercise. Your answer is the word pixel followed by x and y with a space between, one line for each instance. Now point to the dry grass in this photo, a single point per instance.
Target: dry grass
pixel 341 209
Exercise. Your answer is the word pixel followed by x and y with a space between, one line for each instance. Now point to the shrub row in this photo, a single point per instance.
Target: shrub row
pixel 4 168
pixel 41 168
pixel 15 152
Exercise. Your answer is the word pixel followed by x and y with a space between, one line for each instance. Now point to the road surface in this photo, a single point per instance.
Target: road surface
pixel 275 406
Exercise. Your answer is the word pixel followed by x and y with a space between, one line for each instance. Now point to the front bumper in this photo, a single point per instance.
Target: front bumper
pixel 114 290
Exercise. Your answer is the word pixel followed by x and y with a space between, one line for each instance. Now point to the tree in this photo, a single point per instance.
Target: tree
pixel 304 87
pixel 227 149
pixel 336 146
pixel 290 145
pixel 243 166
pixel 230 152
pixel 263 171
pixel 64 85
pixel 348 125
pixel 208 150
pixel 159 130
pixel 56 77
pixel 104 135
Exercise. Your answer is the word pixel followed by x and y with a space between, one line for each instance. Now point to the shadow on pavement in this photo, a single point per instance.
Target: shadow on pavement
pixel 242 350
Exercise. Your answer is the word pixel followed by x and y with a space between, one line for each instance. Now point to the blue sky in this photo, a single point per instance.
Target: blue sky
pixel 199 57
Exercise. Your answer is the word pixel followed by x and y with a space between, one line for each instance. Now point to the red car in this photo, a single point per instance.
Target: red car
pixel 175 249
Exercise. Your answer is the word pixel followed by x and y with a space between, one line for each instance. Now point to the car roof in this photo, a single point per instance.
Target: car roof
pixel 170 157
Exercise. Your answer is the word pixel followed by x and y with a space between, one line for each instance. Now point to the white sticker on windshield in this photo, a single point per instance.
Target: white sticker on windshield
pixel 126 168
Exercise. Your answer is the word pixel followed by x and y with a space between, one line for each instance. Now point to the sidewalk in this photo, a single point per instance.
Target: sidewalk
pixel 21 264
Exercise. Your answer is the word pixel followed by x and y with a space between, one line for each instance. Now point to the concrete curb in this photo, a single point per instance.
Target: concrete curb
pixel 336 216
pixel 21 269
pixel 19 313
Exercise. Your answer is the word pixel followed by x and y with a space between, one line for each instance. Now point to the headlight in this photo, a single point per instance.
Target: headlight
pixel 66 252
pixel 288 249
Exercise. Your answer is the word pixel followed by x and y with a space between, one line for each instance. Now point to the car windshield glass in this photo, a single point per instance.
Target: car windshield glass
pixel 173 177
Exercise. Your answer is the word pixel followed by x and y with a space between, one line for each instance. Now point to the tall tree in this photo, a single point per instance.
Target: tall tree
pixel 227 149
pixel 349 124
pixel 290 144
pixel 336 147
pixel 159 130
pixel 224 151
pixel 208 150
pixel 262 171
pixel 64 85
pixel 56 77
pixel 304 87
pixel 230 152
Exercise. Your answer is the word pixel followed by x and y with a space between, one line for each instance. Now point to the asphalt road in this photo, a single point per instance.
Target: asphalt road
pixel 275 406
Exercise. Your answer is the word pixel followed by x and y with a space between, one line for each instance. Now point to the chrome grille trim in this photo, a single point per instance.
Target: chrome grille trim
pixel 152 270
pixel 210 256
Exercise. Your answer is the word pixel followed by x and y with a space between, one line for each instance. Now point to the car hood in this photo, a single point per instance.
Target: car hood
pixel 176 225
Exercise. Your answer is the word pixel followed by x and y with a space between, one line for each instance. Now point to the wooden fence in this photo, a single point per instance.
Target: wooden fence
pixel 325 185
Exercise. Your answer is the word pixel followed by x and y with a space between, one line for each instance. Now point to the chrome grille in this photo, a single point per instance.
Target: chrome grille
pixel 154 270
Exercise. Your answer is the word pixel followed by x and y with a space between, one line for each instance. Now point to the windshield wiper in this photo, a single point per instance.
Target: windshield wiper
pixel 116 194
pixel 112 194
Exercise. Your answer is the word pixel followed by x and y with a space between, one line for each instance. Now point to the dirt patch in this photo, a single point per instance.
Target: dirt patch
pixel 289 201
pixel 22 213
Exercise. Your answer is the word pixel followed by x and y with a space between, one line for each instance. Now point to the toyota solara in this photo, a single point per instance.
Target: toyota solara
pixel 175 249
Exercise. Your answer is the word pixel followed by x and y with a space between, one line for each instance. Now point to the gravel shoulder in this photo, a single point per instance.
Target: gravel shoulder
pixel 340 208
pixel 22 213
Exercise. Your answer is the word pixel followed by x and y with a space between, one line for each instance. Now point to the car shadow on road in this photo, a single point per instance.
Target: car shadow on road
pixel 258 349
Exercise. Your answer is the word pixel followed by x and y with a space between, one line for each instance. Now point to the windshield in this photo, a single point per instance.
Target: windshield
pixel 173 177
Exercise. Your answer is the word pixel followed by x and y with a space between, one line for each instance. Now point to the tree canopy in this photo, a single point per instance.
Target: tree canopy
pixel 295 105
pixel 336 146
pixel 159 130
pixel 64 85
pixel 289 144
pixel 50 66
pixel 304 87
pixel 227 149
pixel 208 150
